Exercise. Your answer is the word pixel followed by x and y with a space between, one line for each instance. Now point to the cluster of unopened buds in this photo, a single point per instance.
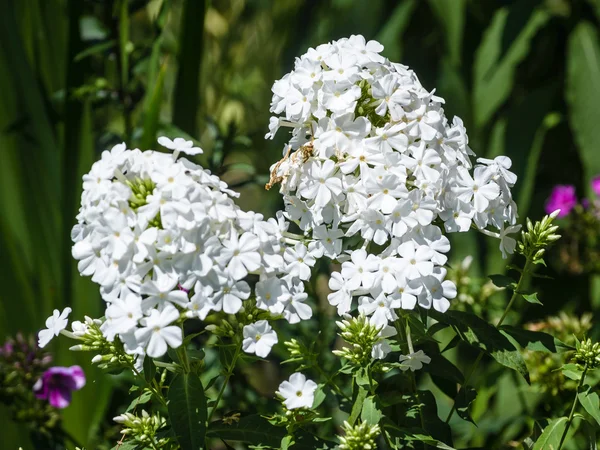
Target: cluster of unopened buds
pixel 143 429
pixel 587 354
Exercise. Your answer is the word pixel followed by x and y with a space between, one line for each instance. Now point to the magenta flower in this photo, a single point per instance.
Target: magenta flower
pixel 57 383
pixel 596 184
pixel 562 197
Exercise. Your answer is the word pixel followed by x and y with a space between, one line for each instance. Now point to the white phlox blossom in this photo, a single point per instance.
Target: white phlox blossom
pixel 414 361
pixel 298 392
pixel 375 176
pixel 57 322
pixel 166 243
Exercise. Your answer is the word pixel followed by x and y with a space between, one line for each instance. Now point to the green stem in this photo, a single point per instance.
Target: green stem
pixel 516 292
pixel 572 413
pixel 157 393
pixel 513 298
pixel 228 374
pixel 330 382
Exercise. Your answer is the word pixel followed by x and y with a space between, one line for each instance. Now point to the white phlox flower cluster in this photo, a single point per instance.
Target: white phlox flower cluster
pixel 165 241
pixel 375 176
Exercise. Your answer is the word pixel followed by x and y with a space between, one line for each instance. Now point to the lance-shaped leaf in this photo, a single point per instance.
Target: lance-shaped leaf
pixel 480 334
pixel 494 72
pixel 583 94
pixel 188 410
pixel 253 429
pixel 536 341
pixel 550 438
pixel 590 402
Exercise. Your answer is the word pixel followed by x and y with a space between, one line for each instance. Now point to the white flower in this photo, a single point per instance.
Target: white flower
pixel 298 392
pixel 360 270
pixel 481 189
pixel 122 315
pixel 57 322
pixel 269 295
pixel 241 255
pixel 508 243
pixel 299 261
pixel 414 361
pixel 229 294
pixel 340 296
pixel 161 292
pixel 180 145
pixel 157 331
pixel 416 260
pixel 321 185
pixel 259 338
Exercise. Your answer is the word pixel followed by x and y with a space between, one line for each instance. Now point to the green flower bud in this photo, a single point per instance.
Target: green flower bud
pixel 359 437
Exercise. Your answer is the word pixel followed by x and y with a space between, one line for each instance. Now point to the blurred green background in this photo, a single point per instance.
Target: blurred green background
pixel 78 76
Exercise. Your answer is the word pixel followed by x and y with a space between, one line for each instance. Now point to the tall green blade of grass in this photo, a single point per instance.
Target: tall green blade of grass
pixel 390 35
pixel 583 97
pixel 189 59
pixel 37 167
pixel 451 16
pixel 78 155
pixel 493 73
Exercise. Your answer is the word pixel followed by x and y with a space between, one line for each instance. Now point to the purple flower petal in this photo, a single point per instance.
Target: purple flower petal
pixel 60 397
pixel 562 197
pixel 596 185
pixel 78 376
pixel 57 384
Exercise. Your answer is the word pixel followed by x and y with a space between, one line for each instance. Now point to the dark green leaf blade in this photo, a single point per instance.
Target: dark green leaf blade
pixel 590 402
pixel 550 438
pixel 583 94
pixel 252 429
pixel 188 410
pixel 481 334
pixel 536 341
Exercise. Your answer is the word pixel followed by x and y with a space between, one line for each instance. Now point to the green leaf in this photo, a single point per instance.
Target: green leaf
pixel 441 367
pixel 390 35
pixel 536 341
pixel 414 435
pixel 590 402
pixel 370 412
pixel 451 17
pixel 532 298
pixel 124 41
pixel 550 438
pixel 287 442
pixel 481 334
pixel 571 371
pixel 583 95
pixel 139 400
pixel 253 429
pixel 358 405
pixel 501 281
pixel 493 75
pixel 149 369
pixel 152 107
pixel 465 397
pixel 430 419
pixel 188 410
pixel 319 396
pixel 189 58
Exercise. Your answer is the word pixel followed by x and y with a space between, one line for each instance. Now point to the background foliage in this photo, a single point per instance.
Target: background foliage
pixel 78 76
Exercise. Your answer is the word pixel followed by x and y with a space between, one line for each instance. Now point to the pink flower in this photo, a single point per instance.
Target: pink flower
pixel 57 383
pixel 562 197
pixel 596 184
